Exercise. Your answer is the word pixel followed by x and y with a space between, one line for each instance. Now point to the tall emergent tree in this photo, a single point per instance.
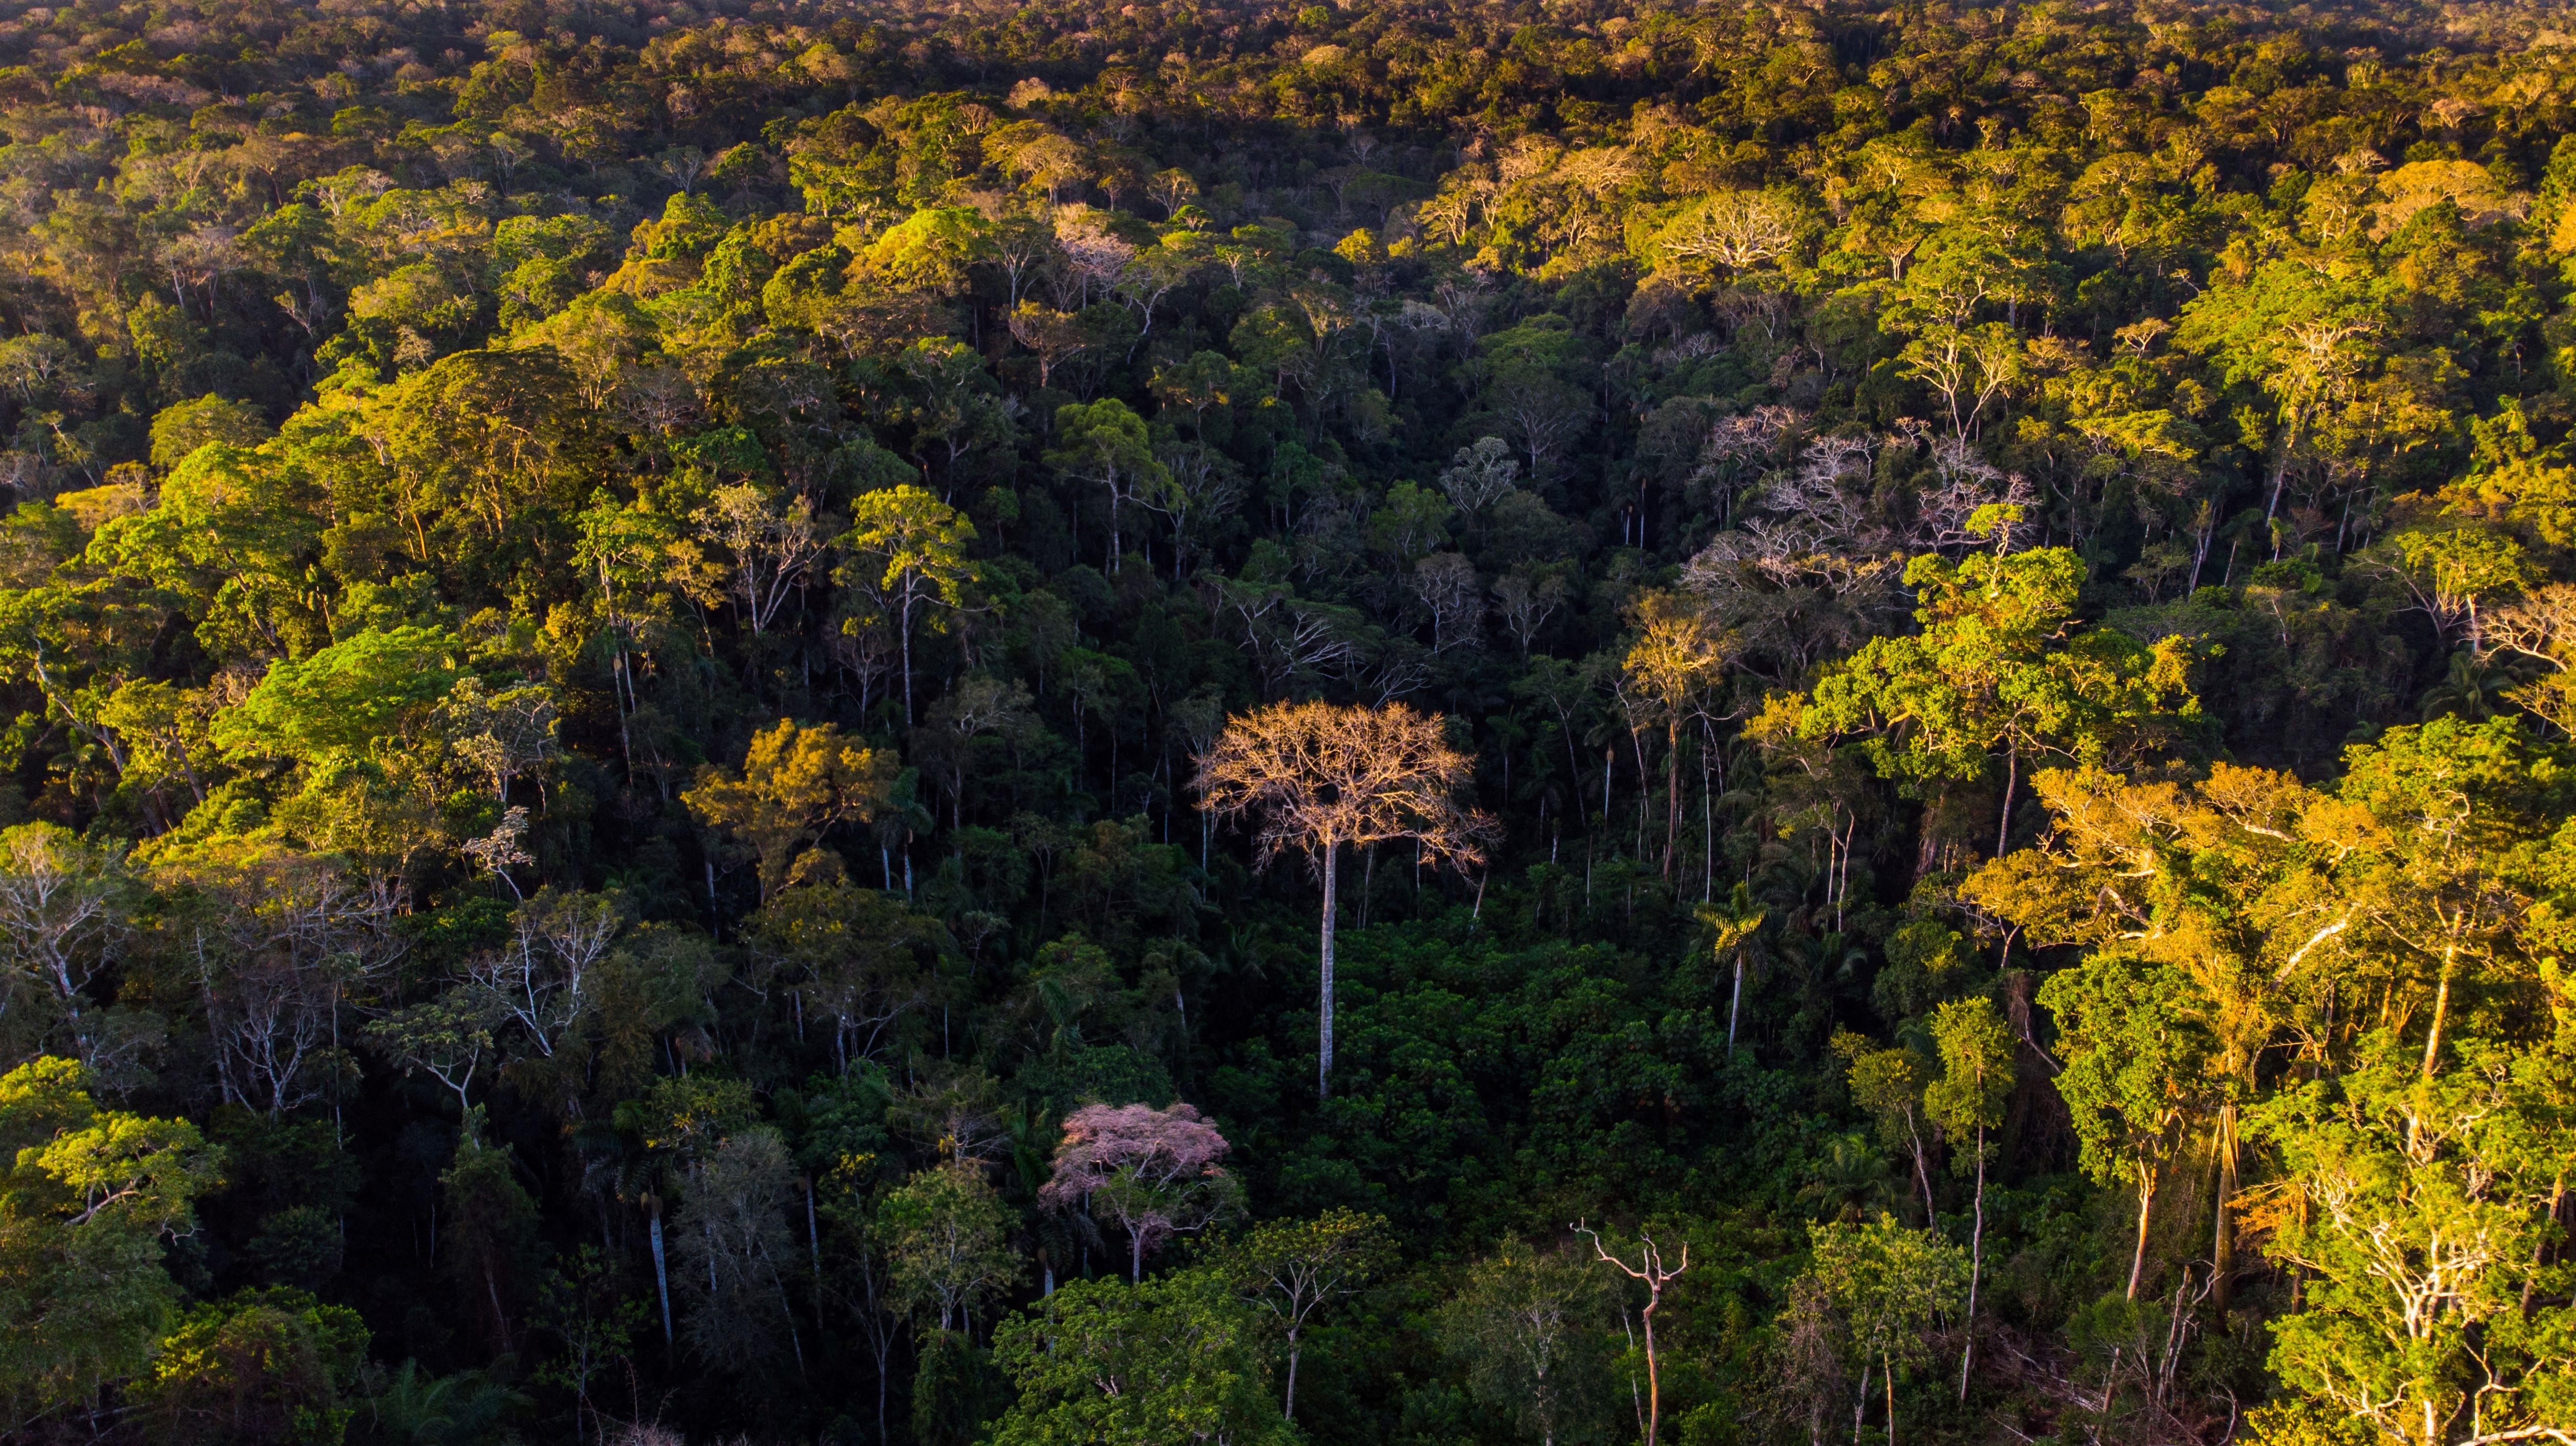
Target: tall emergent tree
pixel 1319 777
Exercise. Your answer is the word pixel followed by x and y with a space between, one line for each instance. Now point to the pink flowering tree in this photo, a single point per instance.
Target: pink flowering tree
pixel 1153 1171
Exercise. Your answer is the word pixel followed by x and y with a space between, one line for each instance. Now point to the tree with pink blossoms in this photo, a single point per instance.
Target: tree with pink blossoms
pixel 1153 1171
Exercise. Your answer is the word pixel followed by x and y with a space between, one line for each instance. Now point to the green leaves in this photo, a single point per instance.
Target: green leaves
pixel 2421 1199
pixel 342 698
pixel 945 1235
pixel 2135 1055
pixel 1177 1359
pixel 2000 665
pixel 85 1207
pixel 1892 1286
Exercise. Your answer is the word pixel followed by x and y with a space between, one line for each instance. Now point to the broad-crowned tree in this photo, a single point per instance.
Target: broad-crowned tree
pixel 86 1209
pixel 1106 443
pixel 1154 1172
pixel 858 958
pixel 1317 777
pixel 1892 1288
pixel 2423 1198
pixel 796 784
pixel 66 910
pixel 2000 665
pixel 271 1365
pixel 1177 1359
pixel 2299 332
pixel 735 1255
pixel 1295 1268
pixel 2137 1061
pixel 946 1235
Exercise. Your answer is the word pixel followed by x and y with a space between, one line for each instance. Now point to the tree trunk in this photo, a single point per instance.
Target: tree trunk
pixel 2222 1247
pixel 1672 794
pixel 2012 780
pixel 1922 1174
pixel 2540 1249
pixel 1293 1352
pixel 1976 1264
pixel 2146 1202
pixel 1324 1012
pixel 2433 1042
pixel 1735 1003
pixel 1654 1380
pixel 903 627
pixel 1887 1369
pixel 1135 1257
pixel 661 1274
pixel 1860 1401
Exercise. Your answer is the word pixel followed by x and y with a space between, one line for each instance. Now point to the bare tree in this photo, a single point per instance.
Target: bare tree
pixel 1448 586
pixel 1655 1273
pixel 1318 777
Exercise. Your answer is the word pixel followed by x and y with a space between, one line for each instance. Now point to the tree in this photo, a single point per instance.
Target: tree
pixel 1294 1268
pixel 735 1254
pixel 491 1228
pixel 87 1206
pixel 1479 474
pixel 2134 1058
pixel 1999 664
pixel 1892 1287
pixel 1319 777
pixel 1656 1271
pixel 1889 1084
pixel 1738 230
pixel 1106 442
pixel 1176 1359
pixel 2293 329
pixel 593 1322
pixel 342 698
pixel 944 1233
pixel 907 551
pixel 796 784
pixel 63 914
pixel 1967 1101
pixel 274 943
pixel 772 536
pixel 2422 1201
pixel 1525 1325
pixel 1735 929
pixel 1153 1171
pixel 1672 667
pixel 268 1366
pixel 2450 571
pixel 856 957
pixel 447 1037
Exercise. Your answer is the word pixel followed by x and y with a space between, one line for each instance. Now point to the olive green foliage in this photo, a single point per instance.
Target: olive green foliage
pixel 617 623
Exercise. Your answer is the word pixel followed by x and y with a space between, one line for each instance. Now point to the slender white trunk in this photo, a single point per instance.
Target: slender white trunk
pixel 1976 1264
pixel 1735 1004
pixel 1324 1013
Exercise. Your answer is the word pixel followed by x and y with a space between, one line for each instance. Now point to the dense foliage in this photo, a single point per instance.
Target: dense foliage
pixel 678 682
